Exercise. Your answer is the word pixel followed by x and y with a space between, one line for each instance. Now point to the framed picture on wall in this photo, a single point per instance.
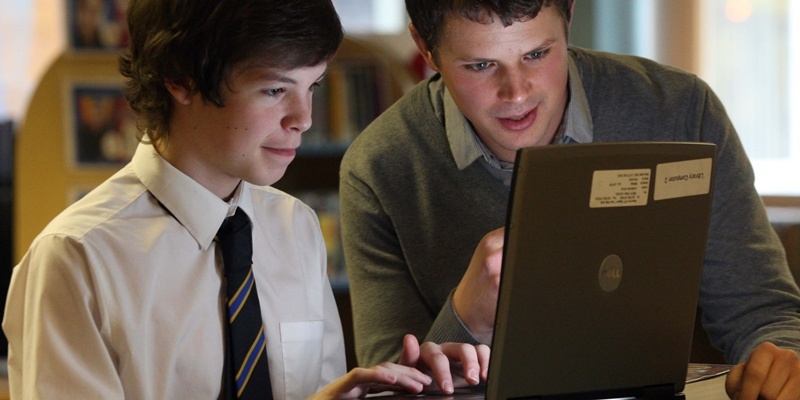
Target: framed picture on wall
pixel 76 193
pixel 101 128
pixel 97 24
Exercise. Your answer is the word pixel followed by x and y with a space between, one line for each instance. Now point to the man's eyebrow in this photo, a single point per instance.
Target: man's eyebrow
pixel 540 47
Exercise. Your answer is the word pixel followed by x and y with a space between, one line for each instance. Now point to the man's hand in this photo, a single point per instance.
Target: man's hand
pixel 475 297
pixel 771 373
pixel 451 364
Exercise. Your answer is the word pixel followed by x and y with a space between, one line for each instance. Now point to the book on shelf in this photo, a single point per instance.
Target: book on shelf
pixel 316 135
pixel 351 96
pixel 326 205
pixel 6 152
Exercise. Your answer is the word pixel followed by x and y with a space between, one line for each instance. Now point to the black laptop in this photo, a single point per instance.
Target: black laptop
pixel 601 270
pixel 602 261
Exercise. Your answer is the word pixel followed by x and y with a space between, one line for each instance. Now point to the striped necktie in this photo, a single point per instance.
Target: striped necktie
pixel 246 349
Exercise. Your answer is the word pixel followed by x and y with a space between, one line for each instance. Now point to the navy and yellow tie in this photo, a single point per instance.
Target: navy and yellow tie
pixel 247 356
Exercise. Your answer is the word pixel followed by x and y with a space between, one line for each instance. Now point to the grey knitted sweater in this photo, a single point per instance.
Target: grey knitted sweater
pixel 411 219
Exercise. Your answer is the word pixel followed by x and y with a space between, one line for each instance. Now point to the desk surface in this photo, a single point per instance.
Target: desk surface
pixel 4 394
pixel 708 389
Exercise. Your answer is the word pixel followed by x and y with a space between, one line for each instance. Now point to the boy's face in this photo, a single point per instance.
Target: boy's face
pixel 254 136
pixel 510 82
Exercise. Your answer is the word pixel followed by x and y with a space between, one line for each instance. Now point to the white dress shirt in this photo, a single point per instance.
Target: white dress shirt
pixel 121 296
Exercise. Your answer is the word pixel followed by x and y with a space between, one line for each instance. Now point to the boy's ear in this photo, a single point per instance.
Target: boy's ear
pixel 571 13
pixel 423 48
pixel 181 89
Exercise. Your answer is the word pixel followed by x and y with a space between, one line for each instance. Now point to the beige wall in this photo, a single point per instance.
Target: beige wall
pixel 32 35
pixel 678 22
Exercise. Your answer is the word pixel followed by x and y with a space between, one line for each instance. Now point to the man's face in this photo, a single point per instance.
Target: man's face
pixel 254 136
pixel 510 82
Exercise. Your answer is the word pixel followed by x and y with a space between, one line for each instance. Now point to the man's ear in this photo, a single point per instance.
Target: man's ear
pixel 423 47
pixel 181 89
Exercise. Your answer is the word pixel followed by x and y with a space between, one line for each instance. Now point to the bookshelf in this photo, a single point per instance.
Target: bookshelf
pixel 359 85
pixel 7 129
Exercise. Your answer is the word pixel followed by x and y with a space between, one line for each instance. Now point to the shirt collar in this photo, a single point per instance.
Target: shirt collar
pixel 578 125
pixel 465 145
pixel 199 210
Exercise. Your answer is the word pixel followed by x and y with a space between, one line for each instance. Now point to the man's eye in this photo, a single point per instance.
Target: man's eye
pixel 538 54
pixel 479 66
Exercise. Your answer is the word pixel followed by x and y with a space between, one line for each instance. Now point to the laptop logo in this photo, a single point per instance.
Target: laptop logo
pixel 610 274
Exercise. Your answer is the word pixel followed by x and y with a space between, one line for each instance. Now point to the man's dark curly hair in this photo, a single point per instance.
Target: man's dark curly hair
pixel 196 43
pixel 428 16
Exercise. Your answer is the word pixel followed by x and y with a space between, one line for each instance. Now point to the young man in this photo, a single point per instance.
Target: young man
pixel 124 295
pixel 424 189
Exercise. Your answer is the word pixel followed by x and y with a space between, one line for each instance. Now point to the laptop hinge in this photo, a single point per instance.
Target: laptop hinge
pixel 661 392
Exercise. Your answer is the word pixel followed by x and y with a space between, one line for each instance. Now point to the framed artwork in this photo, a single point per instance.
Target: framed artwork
pixel 97 24
pixel 76 193
pixel 101 128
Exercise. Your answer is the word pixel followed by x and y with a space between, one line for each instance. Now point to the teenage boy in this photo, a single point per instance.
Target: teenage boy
pixel 424 189
pixel 123 295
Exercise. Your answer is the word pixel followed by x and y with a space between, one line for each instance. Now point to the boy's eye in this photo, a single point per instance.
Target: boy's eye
pixel 273 92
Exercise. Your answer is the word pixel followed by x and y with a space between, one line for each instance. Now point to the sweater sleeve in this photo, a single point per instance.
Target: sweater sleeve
pixel 385 302
pixel 748 295
pixel 448 327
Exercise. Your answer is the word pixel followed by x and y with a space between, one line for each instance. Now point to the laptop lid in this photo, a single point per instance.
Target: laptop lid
pixel 601 269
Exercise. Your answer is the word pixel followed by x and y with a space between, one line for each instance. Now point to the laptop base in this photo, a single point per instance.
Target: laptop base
pixel 663 392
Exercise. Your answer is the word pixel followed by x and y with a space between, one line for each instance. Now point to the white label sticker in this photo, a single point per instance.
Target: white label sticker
pixel 682 179
pixel 620 188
